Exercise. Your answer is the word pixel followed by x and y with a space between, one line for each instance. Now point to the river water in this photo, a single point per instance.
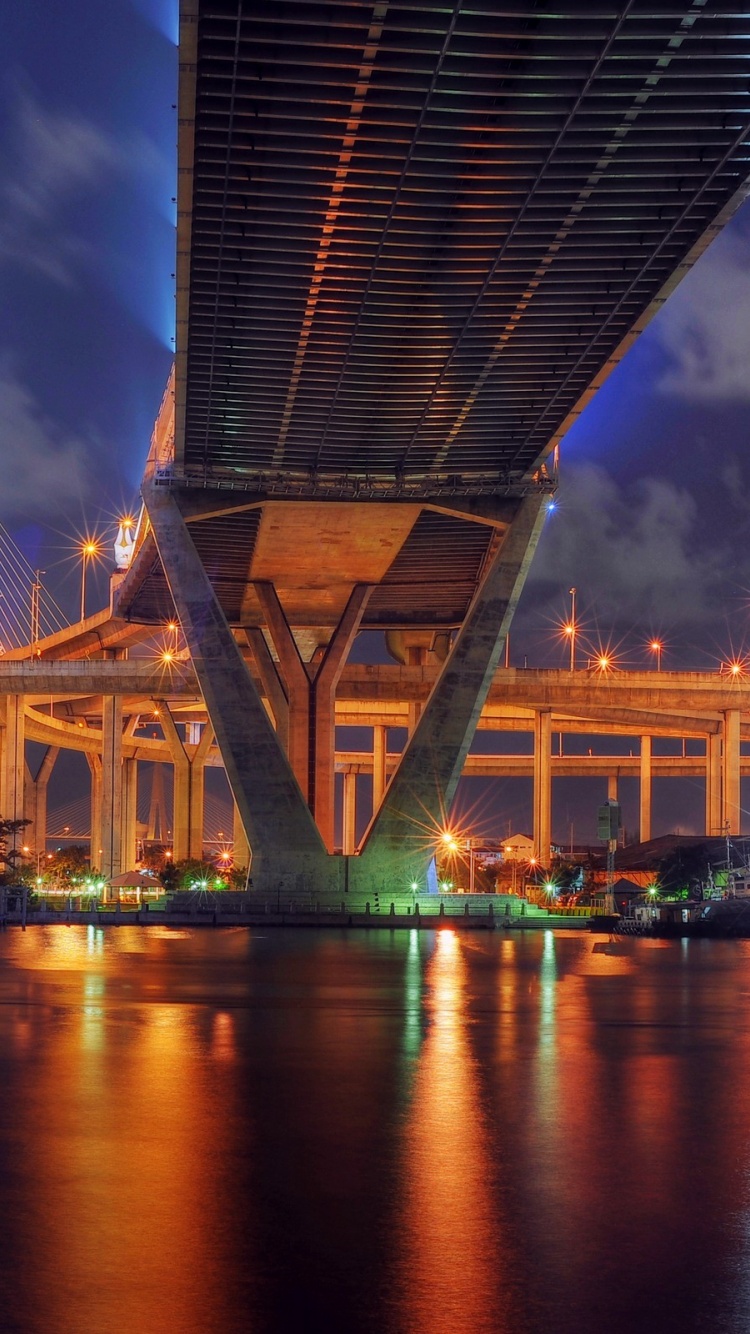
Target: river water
pixel 404 1132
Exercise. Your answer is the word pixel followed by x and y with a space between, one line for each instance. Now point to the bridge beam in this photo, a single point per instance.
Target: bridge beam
pixel 403 833
pixel 287 848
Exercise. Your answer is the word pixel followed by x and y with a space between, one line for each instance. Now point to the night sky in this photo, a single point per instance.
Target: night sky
pixel 653 517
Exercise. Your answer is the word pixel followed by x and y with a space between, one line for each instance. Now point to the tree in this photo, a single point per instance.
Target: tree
pixel 10 832
pixel 69 864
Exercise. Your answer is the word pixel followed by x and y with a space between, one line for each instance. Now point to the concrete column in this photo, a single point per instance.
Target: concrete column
pixel 296 682
pixel 128 833
pixel 542 785
pixel 287 848
pixel 323 735
pixel 241 845
pixel 36 800
pixel 424 784
pixel 197 792
pixel 612 787
pixel 96 848
pixel 731 813
pixel 350 814
pixel 13 771
pixel 271 682
pixel 180 785
pixel 111 805
pixel 713 784
pixel 379 758
pixel 644 821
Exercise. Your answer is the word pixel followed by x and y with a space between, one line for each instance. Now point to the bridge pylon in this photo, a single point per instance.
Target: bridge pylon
pixel 275 789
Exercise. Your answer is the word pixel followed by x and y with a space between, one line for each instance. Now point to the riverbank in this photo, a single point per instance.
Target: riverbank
pixel 209 916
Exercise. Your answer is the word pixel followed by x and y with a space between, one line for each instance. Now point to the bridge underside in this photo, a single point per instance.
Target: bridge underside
pixel 412 243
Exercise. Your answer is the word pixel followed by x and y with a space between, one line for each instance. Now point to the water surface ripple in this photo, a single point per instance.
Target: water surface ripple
pixel 211 1131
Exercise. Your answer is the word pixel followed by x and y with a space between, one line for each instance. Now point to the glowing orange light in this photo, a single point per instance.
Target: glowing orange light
pixel 568 629
pixel 656 646
pixel 735 668
pixel 603 662
pixel 167 655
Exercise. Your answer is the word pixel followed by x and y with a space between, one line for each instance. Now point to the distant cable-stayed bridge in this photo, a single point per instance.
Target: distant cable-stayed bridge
pixel 28 611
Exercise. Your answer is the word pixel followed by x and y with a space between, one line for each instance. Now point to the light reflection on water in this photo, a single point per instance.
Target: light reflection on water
pixel 447 1279
pixel 411 1133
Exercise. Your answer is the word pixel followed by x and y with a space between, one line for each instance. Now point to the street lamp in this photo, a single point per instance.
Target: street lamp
pixel 89 550
pixel 656 647
pixel 571 629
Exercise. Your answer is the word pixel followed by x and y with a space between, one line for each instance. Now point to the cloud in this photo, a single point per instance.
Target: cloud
pixel 44 469
pixel 51 160
pixel 634 552
pixel 705 326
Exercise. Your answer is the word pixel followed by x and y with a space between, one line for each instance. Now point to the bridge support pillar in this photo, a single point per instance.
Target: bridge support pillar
pixel 379 758
pixel 128 836
pixel 111 790
pixel 542 785
pixel 13 769
pixel 613 784
pixel 189 762
pixel 732 811
pixel 288 852
pixel 295 680
pixel 403 833
pixel 311 694
pixel 644 821
pixel 350 814
pixel 714 819
pixel 36 801
pixel 96 848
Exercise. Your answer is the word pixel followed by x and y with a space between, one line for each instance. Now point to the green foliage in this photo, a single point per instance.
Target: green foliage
pixel 11 832
pixel 68 864
pixel 194 874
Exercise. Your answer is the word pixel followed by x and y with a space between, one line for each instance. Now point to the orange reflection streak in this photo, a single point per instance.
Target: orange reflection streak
pixel 448 1276
pixel 133 1176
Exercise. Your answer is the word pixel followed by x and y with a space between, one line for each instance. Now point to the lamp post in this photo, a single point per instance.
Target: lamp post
pixel 571 629
pixel 656 647
pixel 89 549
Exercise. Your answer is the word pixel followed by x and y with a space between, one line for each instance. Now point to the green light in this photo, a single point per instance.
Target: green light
pixel 415 884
